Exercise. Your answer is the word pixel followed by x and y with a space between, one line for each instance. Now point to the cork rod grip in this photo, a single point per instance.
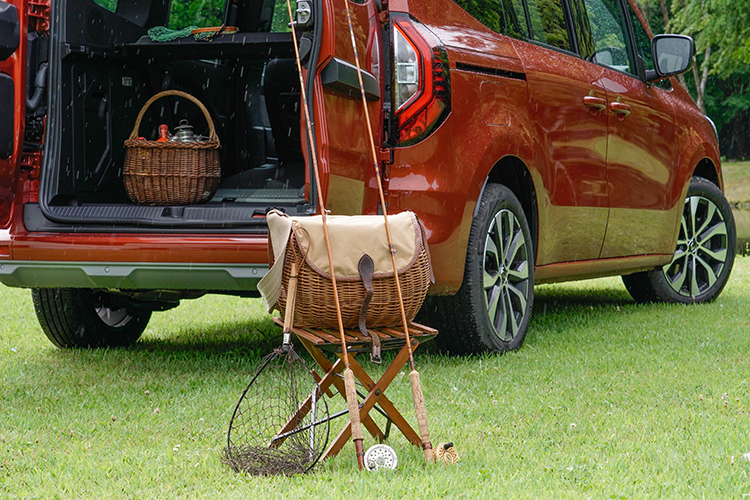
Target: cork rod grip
pixel 419 407
pixel 351 402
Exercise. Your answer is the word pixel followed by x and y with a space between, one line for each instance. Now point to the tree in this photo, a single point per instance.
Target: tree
pixel 721 29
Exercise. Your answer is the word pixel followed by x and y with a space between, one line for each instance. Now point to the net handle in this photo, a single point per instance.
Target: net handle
pixel 290 303
pixel 211 129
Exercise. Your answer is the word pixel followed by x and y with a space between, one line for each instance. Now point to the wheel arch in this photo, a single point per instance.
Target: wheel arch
pixel 700 161
pixel 512 172
pixel 707 170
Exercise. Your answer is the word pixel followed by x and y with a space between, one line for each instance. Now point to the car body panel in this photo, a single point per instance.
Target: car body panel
pixel 608 200
pixel 345 159
pixel 118 275
pixel 640 220
pixel 15 68
pixel 570 153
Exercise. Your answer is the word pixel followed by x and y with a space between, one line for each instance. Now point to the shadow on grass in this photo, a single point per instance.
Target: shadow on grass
pixel 242 345
pixel 572 297
pixel 241 339
pixel 559 302
pixel 208 349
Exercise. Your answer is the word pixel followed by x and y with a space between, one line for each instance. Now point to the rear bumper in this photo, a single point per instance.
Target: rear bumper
pixel 136 275
pixel 154 261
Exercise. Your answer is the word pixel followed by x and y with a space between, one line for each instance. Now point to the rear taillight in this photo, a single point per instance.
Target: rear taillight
pixel 421 81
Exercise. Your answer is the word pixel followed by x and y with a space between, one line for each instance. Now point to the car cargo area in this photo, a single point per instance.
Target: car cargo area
pixel 105 67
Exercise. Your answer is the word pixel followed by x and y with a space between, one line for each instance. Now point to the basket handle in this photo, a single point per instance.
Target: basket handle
pixel 211 129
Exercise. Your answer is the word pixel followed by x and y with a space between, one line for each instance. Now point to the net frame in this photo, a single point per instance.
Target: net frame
pixel 268 434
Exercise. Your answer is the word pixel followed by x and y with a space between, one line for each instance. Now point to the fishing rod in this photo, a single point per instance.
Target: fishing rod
pixel 350 390
pixel 416 385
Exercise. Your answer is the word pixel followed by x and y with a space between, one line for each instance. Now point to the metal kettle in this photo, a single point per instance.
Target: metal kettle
pixel 184 132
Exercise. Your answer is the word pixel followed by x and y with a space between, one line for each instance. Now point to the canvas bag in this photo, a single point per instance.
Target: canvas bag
pixel 302 239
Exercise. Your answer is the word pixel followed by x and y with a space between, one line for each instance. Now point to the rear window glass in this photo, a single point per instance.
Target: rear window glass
pixel 280 21
pixel 110 5
pixel 501 16
pixel 201 13
pixel 548 23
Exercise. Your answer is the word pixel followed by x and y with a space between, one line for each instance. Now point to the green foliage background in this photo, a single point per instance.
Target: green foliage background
pixel 724 26
pixel 201 13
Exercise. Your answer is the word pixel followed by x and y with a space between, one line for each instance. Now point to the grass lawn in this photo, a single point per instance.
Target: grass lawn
pixel 736 181
pixel 737 188
pixel 606 399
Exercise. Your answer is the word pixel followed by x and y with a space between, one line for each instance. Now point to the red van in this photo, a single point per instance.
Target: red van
pixel 537 140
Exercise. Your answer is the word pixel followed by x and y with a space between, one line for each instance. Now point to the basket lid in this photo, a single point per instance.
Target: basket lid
pixel 353 236
pixel 350 237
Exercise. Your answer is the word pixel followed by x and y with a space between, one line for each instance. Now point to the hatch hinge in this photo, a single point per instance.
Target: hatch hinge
pixel 39 14
pixel 31 164
pixel 383 11
pixel 385 156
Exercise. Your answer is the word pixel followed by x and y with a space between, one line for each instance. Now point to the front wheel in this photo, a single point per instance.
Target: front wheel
pixel 704 256
pixel 73 317
pixel 492 308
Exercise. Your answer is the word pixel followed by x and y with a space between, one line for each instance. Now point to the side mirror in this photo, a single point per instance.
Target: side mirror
pixel 673 55
pixel 10 30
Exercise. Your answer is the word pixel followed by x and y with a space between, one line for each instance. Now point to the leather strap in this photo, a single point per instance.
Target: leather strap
pixel 366 271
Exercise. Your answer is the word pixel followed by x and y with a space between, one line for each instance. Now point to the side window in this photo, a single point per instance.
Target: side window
pixel 642 40
pixel 643 48
pixel 518 12
pixel 200 13
pixel 582 29
pixel 506 17
pixel 608 34
pixel 547 21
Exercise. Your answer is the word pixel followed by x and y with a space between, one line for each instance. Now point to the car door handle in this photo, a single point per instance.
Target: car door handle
pixel 619 109
pixel 596 103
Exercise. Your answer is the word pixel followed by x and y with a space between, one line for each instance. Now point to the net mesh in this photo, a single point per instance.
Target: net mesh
pixel 280 424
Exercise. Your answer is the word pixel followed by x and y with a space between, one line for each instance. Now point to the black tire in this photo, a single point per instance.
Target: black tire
pixel 73 317
pixel 492 308
pixel 704 255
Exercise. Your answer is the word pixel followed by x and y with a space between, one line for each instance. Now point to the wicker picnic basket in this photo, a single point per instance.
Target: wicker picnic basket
pixel 315 306
pixel 171 173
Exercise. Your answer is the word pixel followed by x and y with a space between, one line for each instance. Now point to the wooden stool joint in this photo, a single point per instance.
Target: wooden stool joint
pixel 317 340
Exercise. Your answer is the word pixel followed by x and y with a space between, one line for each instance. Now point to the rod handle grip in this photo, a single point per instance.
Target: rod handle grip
pixel 419 407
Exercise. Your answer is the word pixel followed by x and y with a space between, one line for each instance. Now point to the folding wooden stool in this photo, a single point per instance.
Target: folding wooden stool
pixel 317 340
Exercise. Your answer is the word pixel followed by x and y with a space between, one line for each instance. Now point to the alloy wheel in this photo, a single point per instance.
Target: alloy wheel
pixel 506 275
pixel 112 310
pixel 701 248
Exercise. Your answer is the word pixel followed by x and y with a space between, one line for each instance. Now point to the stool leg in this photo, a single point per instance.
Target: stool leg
pixel 331 377
pixel 376 394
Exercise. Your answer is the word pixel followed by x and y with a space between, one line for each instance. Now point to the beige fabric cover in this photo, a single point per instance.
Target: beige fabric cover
pixel 350 238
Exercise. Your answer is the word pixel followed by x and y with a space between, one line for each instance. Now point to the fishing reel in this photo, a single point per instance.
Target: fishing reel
pixel 380 456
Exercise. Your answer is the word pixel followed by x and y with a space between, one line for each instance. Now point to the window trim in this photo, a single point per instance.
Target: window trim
pixel 629 44
pixel 634 41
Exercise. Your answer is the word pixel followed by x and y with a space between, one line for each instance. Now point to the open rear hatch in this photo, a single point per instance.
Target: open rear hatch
pixel 104 67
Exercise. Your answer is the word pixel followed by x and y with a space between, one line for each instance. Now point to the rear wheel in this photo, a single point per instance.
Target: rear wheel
pixel 492 308
pixel 704 255
pixel 73 317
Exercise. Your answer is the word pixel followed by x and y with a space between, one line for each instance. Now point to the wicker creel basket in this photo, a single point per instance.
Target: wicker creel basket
pixel 171 173
pixel 315 305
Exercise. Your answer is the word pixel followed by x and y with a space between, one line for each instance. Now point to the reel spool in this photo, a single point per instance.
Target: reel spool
pixel 380 456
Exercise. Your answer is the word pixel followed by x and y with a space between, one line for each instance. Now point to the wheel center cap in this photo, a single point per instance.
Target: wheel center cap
pixel 692 246
pixel 504 273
